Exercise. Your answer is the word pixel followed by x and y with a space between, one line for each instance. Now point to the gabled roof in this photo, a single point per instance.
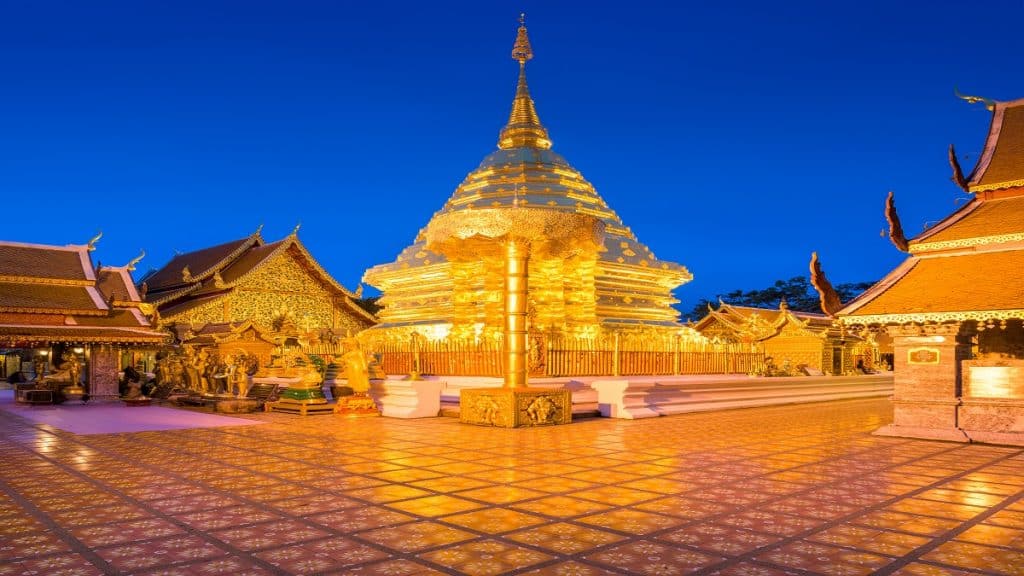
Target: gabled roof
pixel 69 264
pixel 200 263
pixel 1001 164
pixel 217 279
pixel 115 283
pixel 49 298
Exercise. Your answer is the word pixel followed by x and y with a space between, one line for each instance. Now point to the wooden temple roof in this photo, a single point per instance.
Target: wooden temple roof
pixel 970 266
pixel 48 298
pixel 53 294
pixel 761 323
pixel 38 262
pixel 200 263
pixel 1001 164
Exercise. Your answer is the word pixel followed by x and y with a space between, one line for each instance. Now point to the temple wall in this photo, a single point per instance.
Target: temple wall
pixel 798 350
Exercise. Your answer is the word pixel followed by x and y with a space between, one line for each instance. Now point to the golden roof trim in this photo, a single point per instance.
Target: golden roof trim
pixel 932 317
pixel 47 281
pixel 996 186
pixel 966 242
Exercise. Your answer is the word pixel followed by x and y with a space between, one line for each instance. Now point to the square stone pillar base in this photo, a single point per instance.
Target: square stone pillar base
pixel 515 407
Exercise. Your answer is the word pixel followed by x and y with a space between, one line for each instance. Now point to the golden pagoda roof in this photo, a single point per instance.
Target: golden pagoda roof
pixel 1001 164
pixel 525 172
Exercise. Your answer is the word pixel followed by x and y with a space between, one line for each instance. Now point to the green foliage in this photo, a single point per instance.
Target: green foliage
pixel 798 292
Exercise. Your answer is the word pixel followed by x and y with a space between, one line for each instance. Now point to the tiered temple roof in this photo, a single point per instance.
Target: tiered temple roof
pixel 54 294
pixel 628 285
pixel 969 266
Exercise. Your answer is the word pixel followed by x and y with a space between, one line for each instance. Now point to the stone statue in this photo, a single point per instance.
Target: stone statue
pixel 39 367
pixel 74 368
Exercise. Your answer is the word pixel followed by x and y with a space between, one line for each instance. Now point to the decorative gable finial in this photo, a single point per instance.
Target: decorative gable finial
pixel 895 227
pixel 295 231
pixel 92 243
pixel 134 261
pixel 186 274
pixel 958 173
pixel 990 104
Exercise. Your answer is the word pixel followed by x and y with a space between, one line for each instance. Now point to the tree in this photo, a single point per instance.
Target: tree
pixel 797 291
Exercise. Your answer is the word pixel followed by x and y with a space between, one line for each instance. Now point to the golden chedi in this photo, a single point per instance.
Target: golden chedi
pixel 588 275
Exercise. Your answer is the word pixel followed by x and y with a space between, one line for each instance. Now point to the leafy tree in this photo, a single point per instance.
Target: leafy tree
pixel 798 292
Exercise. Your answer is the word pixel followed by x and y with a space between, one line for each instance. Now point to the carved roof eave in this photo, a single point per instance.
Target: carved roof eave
pixel 932 317
pixel 161 299
pixel 67 334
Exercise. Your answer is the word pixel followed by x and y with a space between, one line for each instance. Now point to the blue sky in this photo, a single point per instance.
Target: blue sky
pixel 734 138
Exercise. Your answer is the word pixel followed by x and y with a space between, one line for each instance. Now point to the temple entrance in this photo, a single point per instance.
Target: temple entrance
pixel 837 361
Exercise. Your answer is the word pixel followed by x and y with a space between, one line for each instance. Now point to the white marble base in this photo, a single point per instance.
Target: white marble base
pixel 399 398
pixel 647 397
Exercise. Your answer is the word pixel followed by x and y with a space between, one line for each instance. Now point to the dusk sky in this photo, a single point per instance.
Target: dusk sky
pixel 734 138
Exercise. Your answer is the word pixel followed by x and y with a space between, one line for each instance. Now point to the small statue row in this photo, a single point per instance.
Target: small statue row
pixel 205 372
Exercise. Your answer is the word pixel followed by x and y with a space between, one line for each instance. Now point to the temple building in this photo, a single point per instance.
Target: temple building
pixel 955 305
pixel 800 340
pixel 270 287
pixel 55 305
pixel 578 290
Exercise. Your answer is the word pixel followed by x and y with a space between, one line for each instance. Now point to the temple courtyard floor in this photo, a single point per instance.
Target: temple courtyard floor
pixel 795 489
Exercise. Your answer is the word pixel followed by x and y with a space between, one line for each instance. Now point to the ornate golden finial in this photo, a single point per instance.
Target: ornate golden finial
pixel 524 127
pixel 134 261
pixel 521 50
pixel 359 291
pixel 218 281
pixel 258 230
pixel 990 104
pixel 186 274
pixel 295 231
pixel 895 227
pixel 92 243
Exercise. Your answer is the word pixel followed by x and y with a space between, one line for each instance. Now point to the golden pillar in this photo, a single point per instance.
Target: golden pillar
pixel 517 261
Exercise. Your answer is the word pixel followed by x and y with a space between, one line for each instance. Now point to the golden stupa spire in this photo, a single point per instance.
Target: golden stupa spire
pixel 523 128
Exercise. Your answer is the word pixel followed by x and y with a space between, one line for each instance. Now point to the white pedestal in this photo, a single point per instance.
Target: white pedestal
pixel 623 399
pixel 407 398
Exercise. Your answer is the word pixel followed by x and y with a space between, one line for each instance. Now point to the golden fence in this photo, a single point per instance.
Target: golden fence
pixel 563 357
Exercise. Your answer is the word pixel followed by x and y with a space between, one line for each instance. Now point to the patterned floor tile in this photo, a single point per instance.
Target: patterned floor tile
pixel 823 559
pixel 501 494
pixel 398 568
pixel 565 538
pixel 719 539
pixel 562 506
pixel 140 555
pixel 485 558
pixel 646 557
pixel 870 540
pixel 494 520
pixel 435 505
pixel 977 557
pixel 323 556
pixel 631 521
pixel 416 536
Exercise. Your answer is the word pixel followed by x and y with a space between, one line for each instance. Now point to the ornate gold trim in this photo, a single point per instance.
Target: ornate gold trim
pixel 966 242
pixel 997 186
pixel 929 317
pixel 47 281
